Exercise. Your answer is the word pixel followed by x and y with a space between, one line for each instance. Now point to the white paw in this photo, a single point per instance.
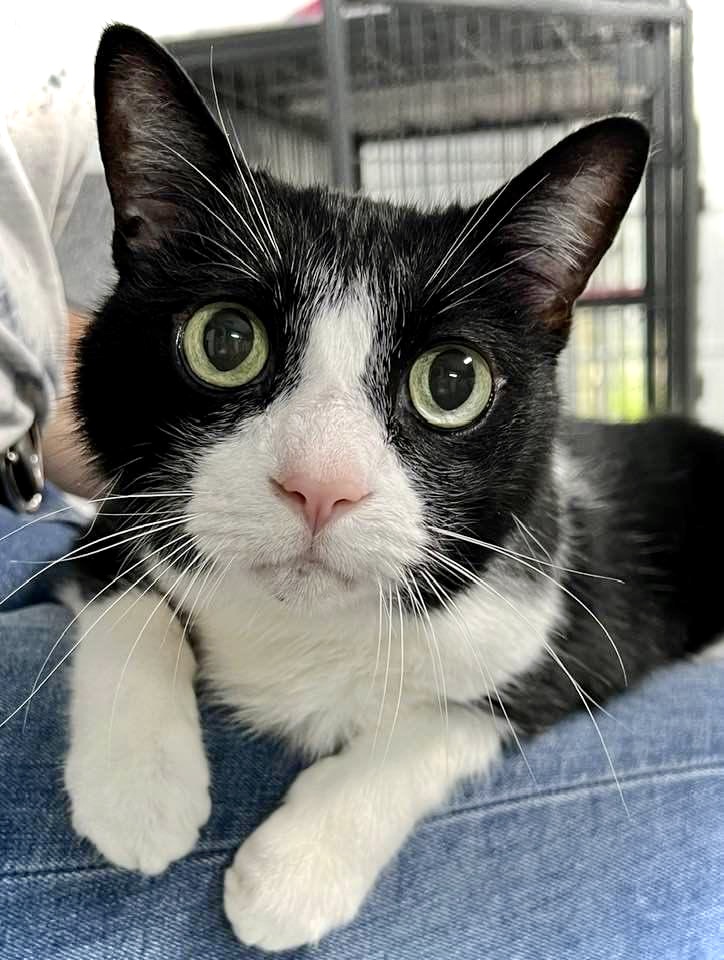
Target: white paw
pixel 141 806
pixel 292 882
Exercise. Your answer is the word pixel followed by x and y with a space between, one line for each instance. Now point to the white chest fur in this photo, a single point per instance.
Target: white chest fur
pixel 321 679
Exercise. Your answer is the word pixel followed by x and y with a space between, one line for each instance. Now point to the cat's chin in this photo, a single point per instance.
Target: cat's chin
pixel 308 586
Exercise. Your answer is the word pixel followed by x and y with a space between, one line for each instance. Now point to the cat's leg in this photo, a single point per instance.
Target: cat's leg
pixel 136 771
pixel 309 867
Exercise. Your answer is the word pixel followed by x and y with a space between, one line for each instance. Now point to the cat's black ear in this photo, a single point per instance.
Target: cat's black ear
pixel 560 215
pixel 158 140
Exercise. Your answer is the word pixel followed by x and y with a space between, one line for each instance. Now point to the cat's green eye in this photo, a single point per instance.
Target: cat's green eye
pixel 450 385
pixel 225 344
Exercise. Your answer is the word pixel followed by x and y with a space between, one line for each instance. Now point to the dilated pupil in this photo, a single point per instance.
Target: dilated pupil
pixel 452 378
pixel 228 339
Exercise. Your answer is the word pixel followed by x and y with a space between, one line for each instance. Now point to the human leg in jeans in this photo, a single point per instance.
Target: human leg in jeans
pixel 563 867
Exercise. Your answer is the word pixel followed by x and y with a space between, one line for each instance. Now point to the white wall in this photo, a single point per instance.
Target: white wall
pixel 708 78
pixel 168 19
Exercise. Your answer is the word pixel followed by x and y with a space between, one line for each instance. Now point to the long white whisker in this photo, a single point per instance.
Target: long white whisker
pixel 148 525
pixel 208 565
pixel 503 268
pixel 220 220
pixel 70 506
pixel 528 533
pixel 261 210
pixel 41 684
pixel 519 559
pixel 378 655
pixel 247 271
pixel 402 678
pixel 447 601
pixel 383 700
pixel 577 687
pixel 76 555
pixel 108 488
pixel 60 638
pixel 434 650
pixel 472 222
pixel 183 550
pixel 221 193
pixel 516 555
pixel 258 238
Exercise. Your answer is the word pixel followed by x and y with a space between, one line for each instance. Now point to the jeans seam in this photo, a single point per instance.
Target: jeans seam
pixel 660 775
pixel 646 775
pixel 200 854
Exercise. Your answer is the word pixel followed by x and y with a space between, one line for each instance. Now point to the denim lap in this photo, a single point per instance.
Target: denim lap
pixel 512 869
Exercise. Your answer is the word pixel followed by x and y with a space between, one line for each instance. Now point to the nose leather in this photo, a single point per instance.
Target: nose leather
pixel 322 500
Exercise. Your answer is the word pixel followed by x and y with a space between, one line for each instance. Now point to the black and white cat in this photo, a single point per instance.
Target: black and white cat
pixel 347 480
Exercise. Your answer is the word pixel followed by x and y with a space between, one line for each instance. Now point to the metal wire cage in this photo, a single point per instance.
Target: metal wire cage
pixel 429 102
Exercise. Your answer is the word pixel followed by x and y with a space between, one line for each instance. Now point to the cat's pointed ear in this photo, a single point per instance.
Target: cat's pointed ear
pixel 564 210
pixel 158 140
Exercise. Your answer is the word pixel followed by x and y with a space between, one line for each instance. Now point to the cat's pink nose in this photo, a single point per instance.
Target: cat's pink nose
pixel 321 501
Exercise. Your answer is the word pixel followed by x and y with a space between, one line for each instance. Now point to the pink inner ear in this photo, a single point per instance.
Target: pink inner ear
pixel 565 209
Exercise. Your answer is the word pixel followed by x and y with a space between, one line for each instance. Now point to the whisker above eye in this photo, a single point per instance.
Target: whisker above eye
pixel 223 222
pixel 245 269
pixel 490 232
pixel 259 239
pixel 261 210
pixel 262 216
pixel 218 190
pixel 473 220
pixel 503 268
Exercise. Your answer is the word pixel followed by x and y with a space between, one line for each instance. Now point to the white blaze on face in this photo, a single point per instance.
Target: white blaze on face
pixel 326 430
pixel 340 340
pixel 326 427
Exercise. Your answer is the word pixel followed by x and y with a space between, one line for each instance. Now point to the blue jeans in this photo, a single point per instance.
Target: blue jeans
pixel 508 870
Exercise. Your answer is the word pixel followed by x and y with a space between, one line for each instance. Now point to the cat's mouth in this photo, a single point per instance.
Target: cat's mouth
pixel 303 579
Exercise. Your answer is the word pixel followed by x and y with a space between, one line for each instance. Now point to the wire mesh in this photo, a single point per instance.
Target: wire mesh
pixel 264 92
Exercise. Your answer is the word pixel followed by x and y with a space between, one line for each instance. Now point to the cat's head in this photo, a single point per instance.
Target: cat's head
pixel 322 382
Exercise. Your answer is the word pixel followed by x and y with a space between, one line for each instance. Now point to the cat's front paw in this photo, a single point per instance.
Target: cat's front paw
pixel 143 806
pixel 292 882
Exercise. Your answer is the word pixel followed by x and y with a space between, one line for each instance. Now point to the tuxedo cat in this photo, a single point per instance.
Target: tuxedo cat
pixel 352 504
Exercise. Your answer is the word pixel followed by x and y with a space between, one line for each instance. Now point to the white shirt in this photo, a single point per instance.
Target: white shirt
pixel 47 137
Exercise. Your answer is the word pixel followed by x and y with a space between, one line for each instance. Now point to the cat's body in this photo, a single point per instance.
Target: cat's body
pixel 333 429
pixel 644 510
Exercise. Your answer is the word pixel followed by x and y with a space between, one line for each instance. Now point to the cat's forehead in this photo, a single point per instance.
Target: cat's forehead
pixel 355 262
pixel 358 300
pixel 366 236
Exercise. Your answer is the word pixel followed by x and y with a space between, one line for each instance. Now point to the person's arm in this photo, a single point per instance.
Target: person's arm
pixel 47 125
pixel 65 462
